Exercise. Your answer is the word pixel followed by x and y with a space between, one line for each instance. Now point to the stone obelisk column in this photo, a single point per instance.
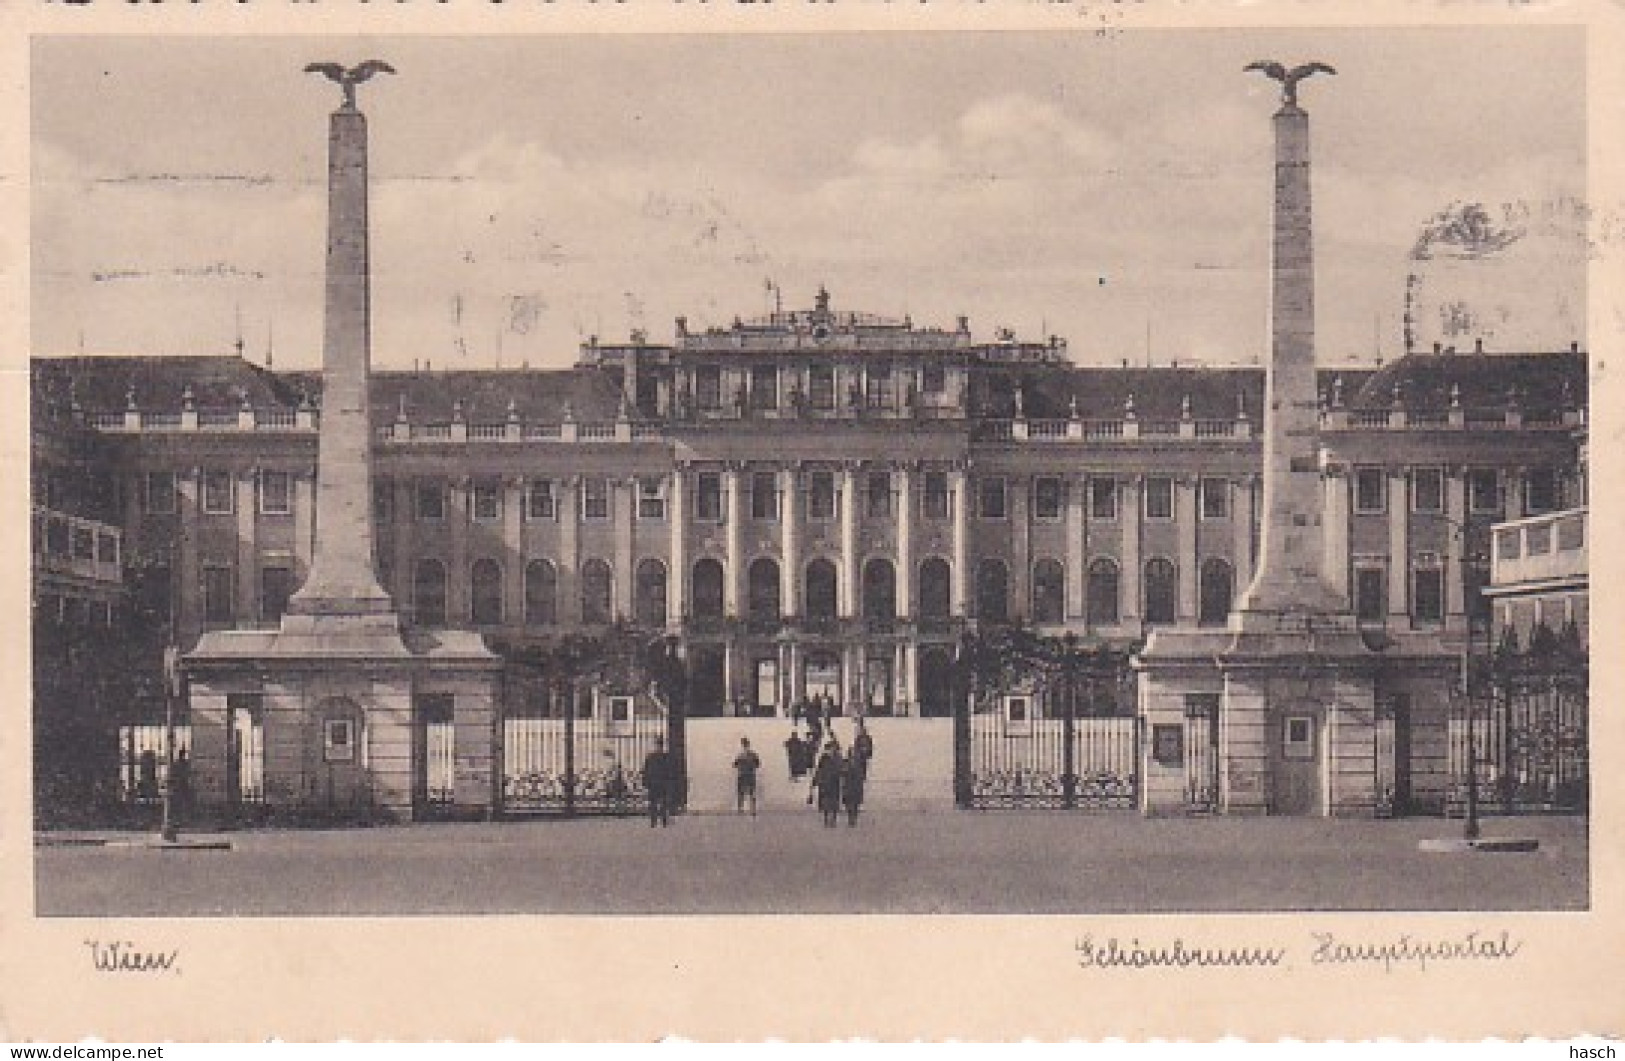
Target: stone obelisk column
pixel 1290 579
pixel 343 580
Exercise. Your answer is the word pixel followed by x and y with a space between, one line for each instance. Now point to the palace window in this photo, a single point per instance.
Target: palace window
pixel 218 583
pixel 1047 495
pixel 821 593
pixel 1370 490
pixel 1216 590
pixel 764 495
pixel 1049 592
pixel 1103 498
pixel 990 494
pixel 879 590
pixel 933 379
pixel 218 492
pixel 1540 490
pixel 821 387
pixel 935 500
pixel 486 596
pixel 651 499
pixel 1215 498
pixel 276 493
pixel 1427 592
pixel 708 387
pixel 595 498
pixel 487 499
pixel 706 579
pixel 879 495
pixel 431 500
pixel 540 502
pixel 935 589
pixel 1484 490
pixel 597 586
pixel 1161 590
pixel 708 496
pixel 276 586
pixel 880 387
pixel 1159 497
pixel 1370 593
pixel 992 591
pixel 821 495
pixel 541 593
pixel 160 493
pixel 764 387
pixel 649 598
pixel 1427 490
pixel 762 590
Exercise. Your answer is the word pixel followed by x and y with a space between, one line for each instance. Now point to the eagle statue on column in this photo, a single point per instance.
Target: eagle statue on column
pixel 1289 78
pixel 348 79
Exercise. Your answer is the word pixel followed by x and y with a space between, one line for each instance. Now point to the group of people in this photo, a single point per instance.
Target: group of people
pixel 838 777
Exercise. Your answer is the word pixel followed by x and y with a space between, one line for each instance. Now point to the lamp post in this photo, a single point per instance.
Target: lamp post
pixel 168 828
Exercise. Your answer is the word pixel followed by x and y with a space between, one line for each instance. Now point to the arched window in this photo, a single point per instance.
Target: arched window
pixel 486 581
pixel 706 582
pixel 992 591
pixel 1102 593
pixel 541 593
pixel 1218 586
pixel 1161 590
pixel 762 590
pixel 1049 592
pixel 879 590
pixel 936 593
pixel 649 600
pixel 821 595
pixel 597 587
pixel 429 593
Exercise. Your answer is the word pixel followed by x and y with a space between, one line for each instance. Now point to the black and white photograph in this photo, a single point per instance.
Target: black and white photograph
pixel 1092 471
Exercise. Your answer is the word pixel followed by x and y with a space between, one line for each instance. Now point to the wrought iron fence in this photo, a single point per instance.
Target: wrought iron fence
pixel 584 761
pixel 1528 745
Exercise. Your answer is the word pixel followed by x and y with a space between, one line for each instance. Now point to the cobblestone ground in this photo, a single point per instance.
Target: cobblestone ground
pixel 785 861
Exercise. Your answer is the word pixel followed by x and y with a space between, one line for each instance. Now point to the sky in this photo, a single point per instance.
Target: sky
pixel 530 192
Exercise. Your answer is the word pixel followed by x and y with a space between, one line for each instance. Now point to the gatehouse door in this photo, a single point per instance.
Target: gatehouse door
pixel 1298 764
pixel 339 751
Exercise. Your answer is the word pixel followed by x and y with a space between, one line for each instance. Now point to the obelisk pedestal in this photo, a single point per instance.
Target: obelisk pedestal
pixel 1280 704
pixel 340 698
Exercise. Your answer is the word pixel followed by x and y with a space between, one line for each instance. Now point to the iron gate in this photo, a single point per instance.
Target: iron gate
pixel 1528 743
pixel 587 759
pixel 1011 753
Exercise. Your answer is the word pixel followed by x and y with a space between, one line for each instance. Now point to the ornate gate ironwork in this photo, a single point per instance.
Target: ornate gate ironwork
pixel 1037 724
pixel 576 745
pixel 1013 754
pixel 1529 740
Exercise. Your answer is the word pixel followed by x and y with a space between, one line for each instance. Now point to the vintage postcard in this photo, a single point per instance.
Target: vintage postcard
pixel 743 521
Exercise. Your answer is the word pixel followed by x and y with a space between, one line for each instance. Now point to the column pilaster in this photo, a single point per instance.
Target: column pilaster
pixel 1133 580
pixel 1185 525
pixel 849 541
pixel 961 540
pixel 905 541
pixel 677 578
pixel 1399 544
pixel 733 562
pixel 248 561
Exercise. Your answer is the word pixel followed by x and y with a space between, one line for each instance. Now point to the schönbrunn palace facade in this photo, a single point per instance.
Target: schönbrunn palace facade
pixel 814 504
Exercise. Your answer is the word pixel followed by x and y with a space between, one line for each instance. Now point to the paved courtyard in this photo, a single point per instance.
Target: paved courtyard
pixel 785 861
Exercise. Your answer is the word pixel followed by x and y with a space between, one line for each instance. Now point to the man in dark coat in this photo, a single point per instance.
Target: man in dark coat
pixel 863 748
pixel 826 784
pixel 852 787
pixel 660 780
pixel 793 752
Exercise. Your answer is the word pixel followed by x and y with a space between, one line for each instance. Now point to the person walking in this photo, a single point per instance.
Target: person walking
pixel 746 763
pixel 826 784
pixel 852 780
pixel 793 752
pixel 863 748
pixel 660 781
